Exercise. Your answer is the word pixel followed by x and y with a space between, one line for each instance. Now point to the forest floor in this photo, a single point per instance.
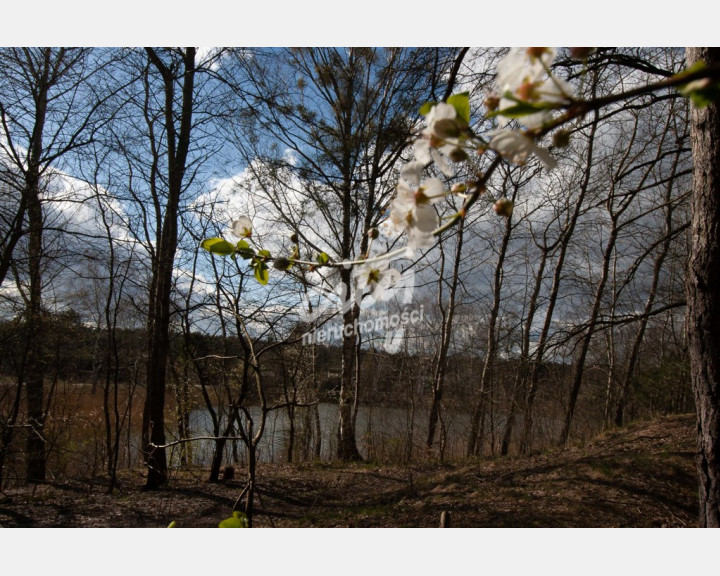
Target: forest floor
pixel 643 475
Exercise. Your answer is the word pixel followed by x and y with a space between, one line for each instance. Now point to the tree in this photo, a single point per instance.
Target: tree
pixel 447 313
pixel 703 294
pixel 48 109
pixel 153 150
pixel 176 126
pixel 344 123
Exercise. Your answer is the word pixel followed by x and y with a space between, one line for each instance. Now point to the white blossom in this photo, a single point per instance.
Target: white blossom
pixel 412 210
pixel 377 277
pixel 522 65
pixel 517 147
pixel 524 76
pixel 443 136
pixel 242 227
pixel 425 153
pixel 553 91
pixel 441 122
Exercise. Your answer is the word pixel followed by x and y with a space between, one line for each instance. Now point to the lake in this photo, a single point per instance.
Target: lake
pixel 382 434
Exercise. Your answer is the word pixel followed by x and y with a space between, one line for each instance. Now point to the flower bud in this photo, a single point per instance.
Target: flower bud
pixel 561 138
pixel 446 128
pixel 492 103
pixel 458 155
pixel 373 233
pixel 581 53
pixel 294 238
pixel 536 52
pixel 458 188
pixel 700 84
pixel 503 207
pixel 527 91
pixel 282 263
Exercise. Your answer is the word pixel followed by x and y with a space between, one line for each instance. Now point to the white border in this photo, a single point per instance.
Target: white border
pixel 363 22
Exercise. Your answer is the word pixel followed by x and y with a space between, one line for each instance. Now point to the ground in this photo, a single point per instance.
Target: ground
pixel 643 475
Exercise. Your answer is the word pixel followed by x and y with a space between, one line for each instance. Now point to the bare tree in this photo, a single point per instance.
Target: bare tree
pixel 343 119
pixel 512 180
pixel 447 311
pixel 48 109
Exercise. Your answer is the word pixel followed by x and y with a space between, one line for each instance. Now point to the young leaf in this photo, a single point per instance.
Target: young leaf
pixel 323 258
pixel 218 246
pixel 461 103
pixel 697 67
pixel 243 248
pixel 238 520
pixel 518 110
pixel 425 108
pixel 262 274
pixel 701 92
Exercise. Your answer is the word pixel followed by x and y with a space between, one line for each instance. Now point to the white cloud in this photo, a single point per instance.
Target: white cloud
pixel 209 57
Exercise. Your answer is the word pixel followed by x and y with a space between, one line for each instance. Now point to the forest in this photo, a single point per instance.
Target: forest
pixel 202 277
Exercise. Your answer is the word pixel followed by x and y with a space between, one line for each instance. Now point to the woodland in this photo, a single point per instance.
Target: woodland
pixel 556 318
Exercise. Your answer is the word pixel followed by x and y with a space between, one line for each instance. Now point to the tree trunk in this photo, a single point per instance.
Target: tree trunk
pixel 634 360
pixel 579 368
pixel 617 203
pixel 347 446
pixel 35 446
pixel 484 395
pixel 178 143
pixel 566 235
pixel 251 476
pixel 219 452
pixel 522 374
pixel 447 324
pixel 6 436
pixel 703 295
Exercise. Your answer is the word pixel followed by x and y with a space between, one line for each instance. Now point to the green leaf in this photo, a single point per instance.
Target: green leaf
pixel 264 253
pixel 218 246
pixel 238 520
pixel 702 98
pixel 697 67
pixel 243 248
pixel 262 274
pixel 425 108
pixel 520 109
pixel 701 92
pixel 461 103
pixel 172 524
pixel 323 258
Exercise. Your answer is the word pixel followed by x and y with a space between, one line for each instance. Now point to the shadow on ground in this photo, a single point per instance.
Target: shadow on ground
pixel 643 475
